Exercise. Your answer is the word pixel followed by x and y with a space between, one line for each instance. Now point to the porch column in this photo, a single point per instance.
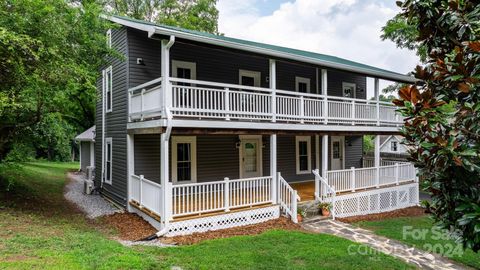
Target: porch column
pixel 324 156
pixel 377 99
pixel 273 88
pixel 130 166
pixel 165 72
pixel 325 93
pixel 377 159
pixel 273 166
pixel 164 180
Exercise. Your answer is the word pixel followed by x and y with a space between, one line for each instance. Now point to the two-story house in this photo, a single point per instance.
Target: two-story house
pixel 199 132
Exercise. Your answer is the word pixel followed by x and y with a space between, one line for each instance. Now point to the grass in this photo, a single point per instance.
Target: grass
pixel 424 238
pixel 39 229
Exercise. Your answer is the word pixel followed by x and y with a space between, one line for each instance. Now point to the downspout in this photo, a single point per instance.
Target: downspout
pixel 103 129
pixel 168 132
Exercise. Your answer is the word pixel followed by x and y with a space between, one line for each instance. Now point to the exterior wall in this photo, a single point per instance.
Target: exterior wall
pixel 353 152
pixel 218 157
pixel 115 122
pixel 140 46
pixel 85 155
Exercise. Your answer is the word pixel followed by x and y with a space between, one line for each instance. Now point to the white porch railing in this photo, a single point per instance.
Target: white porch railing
pixel 287 197
pixel 198 198
pixel 323 191
pixel 362 178
pixel 211 100
pixel 146 193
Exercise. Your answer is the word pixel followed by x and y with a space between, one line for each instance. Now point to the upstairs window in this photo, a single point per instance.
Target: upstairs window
pixel 302 85
pixel 349 89
pixel 109 38
pixel 394 146
pixel 107 89
pixel 303 154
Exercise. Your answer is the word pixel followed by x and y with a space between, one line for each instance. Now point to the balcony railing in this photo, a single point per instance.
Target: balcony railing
pixel 211 100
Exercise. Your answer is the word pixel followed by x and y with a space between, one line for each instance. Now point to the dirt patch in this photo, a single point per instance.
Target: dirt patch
pixel 129 226
pixel 280 223
pixel 414 211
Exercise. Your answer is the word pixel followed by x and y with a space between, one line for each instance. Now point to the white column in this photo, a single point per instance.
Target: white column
pixel 273 87
pixel 317 152
pixel 273 166
pixel 130 166
pixel 325 93
pixel 376 159
pixel 164 180
pixel 324 156
pixel 377 99
pixel 165 71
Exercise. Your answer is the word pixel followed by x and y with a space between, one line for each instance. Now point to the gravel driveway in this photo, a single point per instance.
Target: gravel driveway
pixel 92 205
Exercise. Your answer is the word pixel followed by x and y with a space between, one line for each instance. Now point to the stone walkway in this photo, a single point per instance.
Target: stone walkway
pixel 391 247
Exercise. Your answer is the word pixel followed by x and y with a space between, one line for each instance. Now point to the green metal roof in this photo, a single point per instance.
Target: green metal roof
pixel 323 59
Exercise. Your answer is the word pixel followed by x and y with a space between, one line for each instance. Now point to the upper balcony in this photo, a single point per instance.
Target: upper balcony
pixel 230 105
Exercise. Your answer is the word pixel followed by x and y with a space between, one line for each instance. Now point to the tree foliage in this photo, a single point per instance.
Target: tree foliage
pixel 201 15
pixel 49 55
pixel 443 110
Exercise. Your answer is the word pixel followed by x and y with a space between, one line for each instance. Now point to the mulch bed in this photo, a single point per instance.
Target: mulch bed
pixel 281 223
pixel 405 212
pixel 130 226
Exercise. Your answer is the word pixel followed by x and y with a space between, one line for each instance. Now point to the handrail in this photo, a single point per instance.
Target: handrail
pixel 144 85
pixel 328 193
pixel 288 197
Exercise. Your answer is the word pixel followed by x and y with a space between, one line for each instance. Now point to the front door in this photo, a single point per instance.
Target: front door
pixel 337 152
pixel 250 156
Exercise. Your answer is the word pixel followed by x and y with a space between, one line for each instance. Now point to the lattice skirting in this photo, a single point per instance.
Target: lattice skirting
pixel 376 201
pixel 224 221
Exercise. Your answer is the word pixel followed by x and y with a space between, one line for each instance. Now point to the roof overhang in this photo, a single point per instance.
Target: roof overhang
pixel 152 29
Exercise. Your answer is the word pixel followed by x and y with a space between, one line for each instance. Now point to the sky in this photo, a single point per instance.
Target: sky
pixel 345 28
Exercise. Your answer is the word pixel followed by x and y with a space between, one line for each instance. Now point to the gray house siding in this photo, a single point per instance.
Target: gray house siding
pixel 353 151
pixel 218 157
pixel 85 155
pixel 115 122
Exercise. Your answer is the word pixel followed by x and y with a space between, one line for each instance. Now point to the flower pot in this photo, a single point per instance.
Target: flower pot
pixel 299 218
pixel 325 212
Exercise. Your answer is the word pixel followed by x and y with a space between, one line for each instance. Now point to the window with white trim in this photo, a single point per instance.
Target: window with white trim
pixel 394 146
pixel 349 89
pixel 303 153
pixel 302 85
pixel 109 38
pixel 184 159
pixel 108 160
pixel 107 88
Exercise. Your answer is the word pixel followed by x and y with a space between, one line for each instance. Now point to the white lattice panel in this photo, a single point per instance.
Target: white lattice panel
pixel 224 221
pixel 376 201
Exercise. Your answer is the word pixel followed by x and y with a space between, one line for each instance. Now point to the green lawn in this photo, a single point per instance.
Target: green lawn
pixel 39 229
pixel 423 237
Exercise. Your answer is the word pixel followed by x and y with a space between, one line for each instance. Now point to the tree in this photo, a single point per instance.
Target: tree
pixel 50 53
pixel 201 15
pixel 442 111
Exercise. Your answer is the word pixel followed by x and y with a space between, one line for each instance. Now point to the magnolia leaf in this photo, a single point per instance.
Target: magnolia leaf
pixel 463 87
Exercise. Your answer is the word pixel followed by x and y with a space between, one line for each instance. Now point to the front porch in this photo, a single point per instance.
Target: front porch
pixel 221 181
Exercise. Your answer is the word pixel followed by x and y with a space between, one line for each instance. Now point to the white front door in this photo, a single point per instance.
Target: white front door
pixel 250 156
pixel 337 152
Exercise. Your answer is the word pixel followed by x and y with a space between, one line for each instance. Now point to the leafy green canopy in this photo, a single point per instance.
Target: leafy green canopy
pixel 201 15
pixel 443 109
pixel 50 52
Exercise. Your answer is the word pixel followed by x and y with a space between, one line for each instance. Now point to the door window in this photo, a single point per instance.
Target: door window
pixel 336 149
pixel 349 90
pixel 302 85
pixel 250 157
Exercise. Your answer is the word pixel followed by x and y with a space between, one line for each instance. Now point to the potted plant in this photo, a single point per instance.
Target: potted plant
pixel 325 208
pixel 300 214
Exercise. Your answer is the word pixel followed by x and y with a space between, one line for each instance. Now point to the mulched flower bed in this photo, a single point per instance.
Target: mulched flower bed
pixel 132 227
pixel 405 212
pixel 129 226
pixel 281 223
